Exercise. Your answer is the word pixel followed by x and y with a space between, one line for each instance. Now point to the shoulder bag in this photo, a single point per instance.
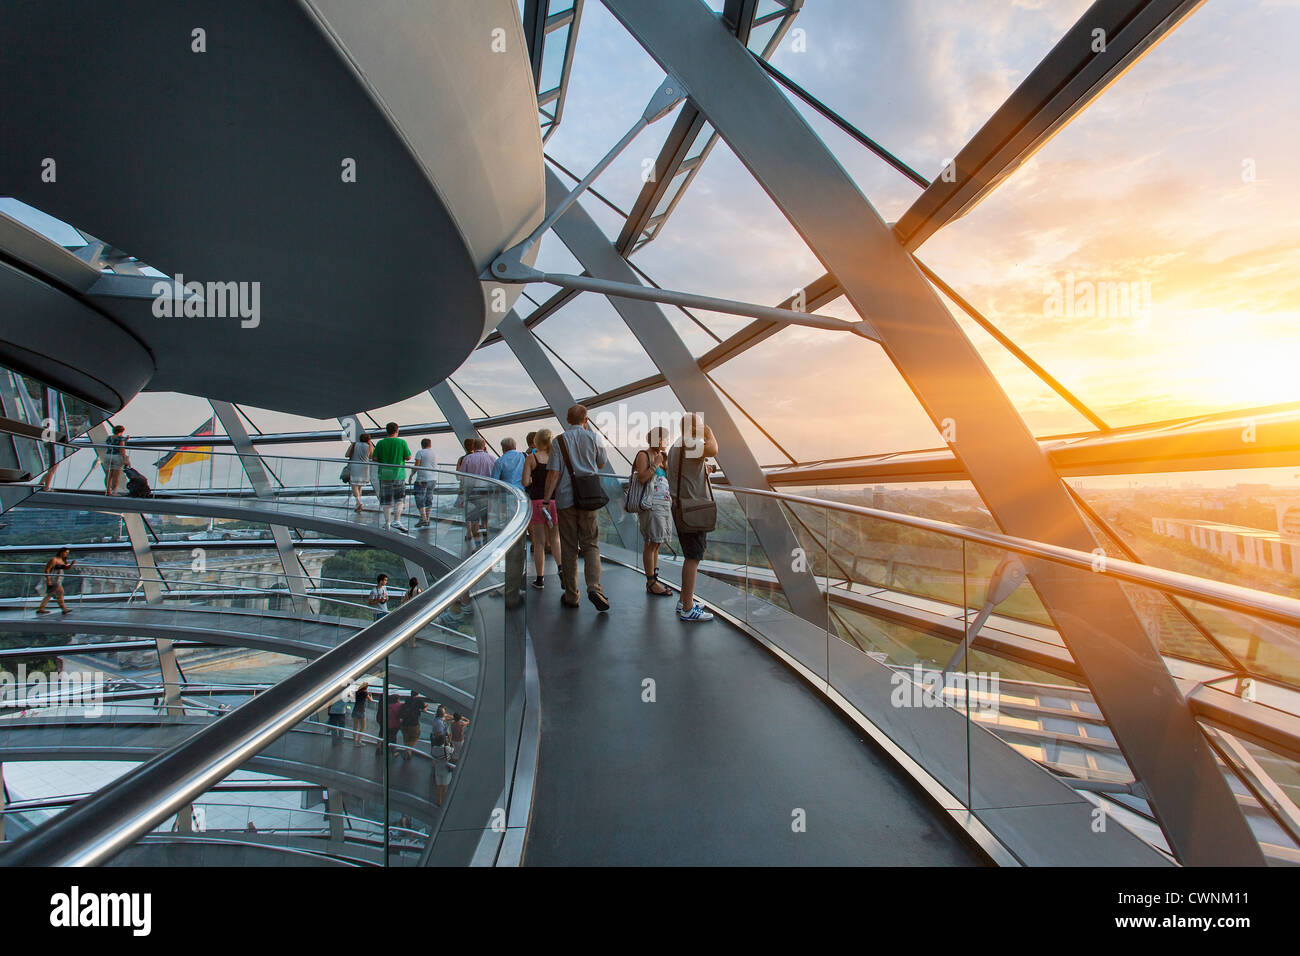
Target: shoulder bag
pixel 693 515
pixel 588 495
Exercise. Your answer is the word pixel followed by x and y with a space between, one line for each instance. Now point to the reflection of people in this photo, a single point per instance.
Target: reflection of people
pixel 458 724
pixel 54 569
pixel 412 589
pixel 441 753
pixel 338 713
pixel 439 721
pixel 409 718
pixel 378 597
pixel 115 459
pixel 359 712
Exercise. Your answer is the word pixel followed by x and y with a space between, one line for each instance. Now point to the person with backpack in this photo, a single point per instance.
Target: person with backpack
pixel 649 498
pixel 693 508
pixel 573 481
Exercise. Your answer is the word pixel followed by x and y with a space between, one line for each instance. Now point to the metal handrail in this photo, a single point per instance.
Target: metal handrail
pixel 97 828
pixel 191 586
pixel 1232 597
pixel 28 567
pixel 205 440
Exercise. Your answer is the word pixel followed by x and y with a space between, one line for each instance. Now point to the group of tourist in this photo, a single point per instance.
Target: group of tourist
pixel 403 714
pixel 390 456
pixel 668 490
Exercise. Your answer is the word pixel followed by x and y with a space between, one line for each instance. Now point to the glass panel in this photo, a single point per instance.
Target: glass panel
pixel 553 59
pixel 318 792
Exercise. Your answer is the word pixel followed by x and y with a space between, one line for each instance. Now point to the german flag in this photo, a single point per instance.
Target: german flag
pixel 185 454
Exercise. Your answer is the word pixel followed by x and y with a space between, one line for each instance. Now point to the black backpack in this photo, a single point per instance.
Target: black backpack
pixel 137 485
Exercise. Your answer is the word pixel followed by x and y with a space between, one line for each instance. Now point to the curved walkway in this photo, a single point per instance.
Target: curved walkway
pixel 734 761
pixel 719 767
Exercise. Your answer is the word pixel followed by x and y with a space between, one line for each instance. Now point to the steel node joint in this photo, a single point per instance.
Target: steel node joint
pixel 509 267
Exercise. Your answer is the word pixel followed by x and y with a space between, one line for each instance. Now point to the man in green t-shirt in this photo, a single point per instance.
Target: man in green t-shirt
pixel 391 453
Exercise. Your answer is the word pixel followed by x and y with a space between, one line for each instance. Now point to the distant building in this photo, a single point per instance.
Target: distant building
pixel 1275 550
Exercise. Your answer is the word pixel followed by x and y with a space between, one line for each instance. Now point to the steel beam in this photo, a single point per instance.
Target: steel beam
pixel 1249 438
pixel 661 342
pixel 260 479
pixel 1142 705
pixel 453 411
pixel 1070 77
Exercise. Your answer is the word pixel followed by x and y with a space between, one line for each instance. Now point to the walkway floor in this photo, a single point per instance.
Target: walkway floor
pixel 716 769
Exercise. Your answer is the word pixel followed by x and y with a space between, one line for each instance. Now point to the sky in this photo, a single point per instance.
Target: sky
pixel 1179 184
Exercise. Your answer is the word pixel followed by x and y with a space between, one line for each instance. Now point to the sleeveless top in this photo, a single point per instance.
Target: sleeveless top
pixel 537 486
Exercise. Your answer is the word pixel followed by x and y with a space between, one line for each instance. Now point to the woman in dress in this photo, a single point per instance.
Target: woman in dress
pixel 358 456
pixel 359 713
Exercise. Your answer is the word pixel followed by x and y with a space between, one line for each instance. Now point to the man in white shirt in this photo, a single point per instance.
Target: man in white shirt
pixel 378 597
pixel 425 478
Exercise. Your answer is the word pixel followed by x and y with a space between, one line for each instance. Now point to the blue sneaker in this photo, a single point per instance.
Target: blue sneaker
pixel 697 613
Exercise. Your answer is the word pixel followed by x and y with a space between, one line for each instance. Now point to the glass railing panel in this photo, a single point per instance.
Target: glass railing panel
pixel 1267 783
pixel 248 597
pixel 1241 642
pixel 1015 721
pixel 894 643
